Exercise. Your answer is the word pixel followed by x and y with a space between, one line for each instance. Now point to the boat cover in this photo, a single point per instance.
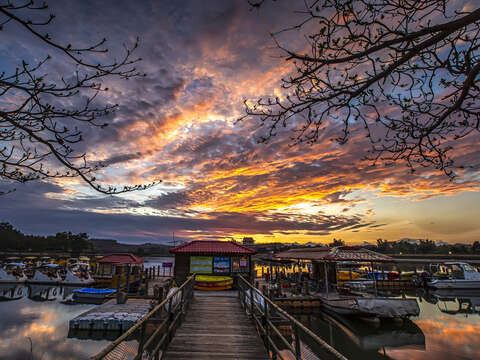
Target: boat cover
pixel 94 291
pixel 389 307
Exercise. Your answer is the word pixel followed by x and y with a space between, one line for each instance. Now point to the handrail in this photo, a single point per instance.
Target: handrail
pixel 295 322
pixel 135 327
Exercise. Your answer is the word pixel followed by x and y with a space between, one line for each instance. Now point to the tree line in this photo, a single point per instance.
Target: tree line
pixel 14 240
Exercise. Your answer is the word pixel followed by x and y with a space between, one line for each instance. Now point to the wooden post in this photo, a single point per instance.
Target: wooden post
pixel 128 278
pixel 326 277
pixel 267 341
pixel 251 303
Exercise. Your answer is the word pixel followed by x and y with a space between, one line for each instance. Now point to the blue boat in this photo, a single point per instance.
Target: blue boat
pixel 92 296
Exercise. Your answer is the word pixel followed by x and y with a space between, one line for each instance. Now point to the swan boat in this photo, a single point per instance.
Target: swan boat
pixel 81 277
pixel 13 273
pixel 46 274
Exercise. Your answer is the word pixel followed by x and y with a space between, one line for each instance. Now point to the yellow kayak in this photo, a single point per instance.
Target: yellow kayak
pixel 210 282
pixel 345 275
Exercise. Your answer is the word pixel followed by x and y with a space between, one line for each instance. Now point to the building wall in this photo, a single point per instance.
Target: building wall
pixel 182 266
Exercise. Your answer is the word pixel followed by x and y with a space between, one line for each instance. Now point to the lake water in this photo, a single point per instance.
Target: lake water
pixel 35 327
pixel 447 328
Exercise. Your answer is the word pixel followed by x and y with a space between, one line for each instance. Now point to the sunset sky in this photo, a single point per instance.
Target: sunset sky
pixel 177 124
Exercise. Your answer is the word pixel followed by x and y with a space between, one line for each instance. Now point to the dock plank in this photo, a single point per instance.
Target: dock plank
pixel 216 327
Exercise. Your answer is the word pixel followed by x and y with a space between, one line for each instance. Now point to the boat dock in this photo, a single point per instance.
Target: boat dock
pixel 234 324
pixel 217 328
pixel 112 316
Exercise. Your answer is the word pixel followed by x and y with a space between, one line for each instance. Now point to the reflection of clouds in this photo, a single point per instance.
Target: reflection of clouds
pixel 447 337
pixel 46 324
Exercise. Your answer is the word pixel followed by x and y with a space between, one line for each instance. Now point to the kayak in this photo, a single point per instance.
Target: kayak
pixel 208 282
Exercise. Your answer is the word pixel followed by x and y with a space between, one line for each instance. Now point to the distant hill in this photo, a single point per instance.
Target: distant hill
pixel 107 246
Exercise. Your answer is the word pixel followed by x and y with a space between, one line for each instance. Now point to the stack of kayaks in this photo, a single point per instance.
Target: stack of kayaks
pixel 212 283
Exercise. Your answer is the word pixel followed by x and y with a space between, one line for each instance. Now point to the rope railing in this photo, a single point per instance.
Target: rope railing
pixel 174 316
pixel 262 315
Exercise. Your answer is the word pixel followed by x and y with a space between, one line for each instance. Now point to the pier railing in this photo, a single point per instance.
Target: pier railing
pixel 166 317
pixel 272 321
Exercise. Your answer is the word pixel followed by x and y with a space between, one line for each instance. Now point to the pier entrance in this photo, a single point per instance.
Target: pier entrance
pixel 216 327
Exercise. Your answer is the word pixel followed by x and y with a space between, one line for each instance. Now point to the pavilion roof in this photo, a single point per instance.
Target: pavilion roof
pixel 213 247
pixel 341 253
pixel 119 259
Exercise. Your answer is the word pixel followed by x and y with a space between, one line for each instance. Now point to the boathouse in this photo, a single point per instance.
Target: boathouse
pixel 112 270
pixel 225 258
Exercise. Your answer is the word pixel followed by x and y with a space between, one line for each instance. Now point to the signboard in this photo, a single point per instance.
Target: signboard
pixel 221 264
pixel 201 264
pixel 240 264
pixel 167 264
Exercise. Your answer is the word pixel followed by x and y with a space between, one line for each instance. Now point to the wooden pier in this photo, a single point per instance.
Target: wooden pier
pixel 240 324
pixel 217 328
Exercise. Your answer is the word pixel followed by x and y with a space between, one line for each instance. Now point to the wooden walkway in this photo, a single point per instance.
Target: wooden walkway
pixel 216 327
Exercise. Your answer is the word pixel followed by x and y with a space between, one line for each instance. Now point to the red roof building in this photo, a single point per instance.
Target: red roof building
pixel 213 247
pixel 209 257
pixel 120 259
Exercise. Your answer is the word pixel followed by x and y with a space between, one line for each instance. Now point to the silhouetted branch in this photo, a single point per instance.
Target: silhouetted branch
pixel 407 71
pixel 39 126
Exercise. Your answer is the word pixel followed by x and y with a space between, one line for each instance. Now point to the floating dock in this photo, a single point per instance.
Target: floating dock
pixel 112 316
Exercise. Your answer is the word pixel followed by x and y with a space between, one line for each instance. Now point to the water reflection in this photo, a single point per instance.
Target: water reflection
pixel 447 328
pixel 38 329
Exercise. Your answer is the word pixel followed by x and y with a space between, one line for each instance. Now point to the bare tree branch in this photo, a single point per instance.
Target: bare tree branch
pixel 39 128
pixel 406 70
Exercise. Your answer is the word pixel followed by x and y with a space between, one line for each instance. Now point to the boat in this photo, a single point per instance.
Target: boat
pixel 343 275
pixel 370 307
pixel 78 275
pixel 213 283
pixel 13 273
pixel 458 275
pixel 363 305
pixel 46 274
pixel 92 296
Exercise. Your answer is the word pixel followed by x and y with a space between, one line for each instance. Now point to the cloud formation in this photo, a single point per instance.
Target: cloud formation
pixel 177 124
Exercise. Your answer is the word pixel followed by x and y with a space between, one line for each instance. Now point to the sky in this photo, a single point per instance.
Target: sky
pixel 177 124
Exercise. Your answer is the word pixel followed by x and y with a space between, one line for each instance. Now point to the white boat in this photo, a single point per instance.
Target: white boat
pixel 46 274
pixel 13 273
pixel 79 278
pixel 460 275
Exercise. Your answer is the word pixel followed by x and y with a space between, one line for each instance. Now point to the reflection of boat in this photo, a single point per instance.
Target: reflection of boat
pixel 91 296
pixel 459 275
pixel 463 301
pixel 42 292
pixel 46 274
pixel 356 339
pixel 11 291
pixel 13 273
pixel 370 338
pixel 208 282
